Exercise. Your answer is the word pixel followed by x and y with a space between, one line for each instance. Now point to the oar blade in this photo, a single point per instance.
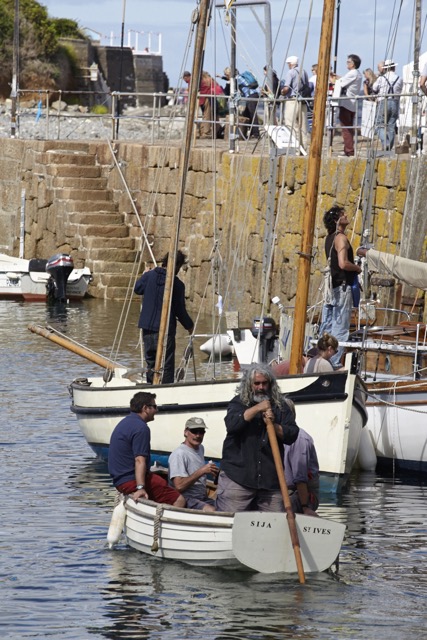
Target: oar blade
pixel 262 542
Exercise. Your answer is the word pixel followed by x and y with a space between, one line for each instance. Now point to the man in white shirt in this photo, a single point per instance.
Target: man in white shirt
pixel 387 87
pixel 350 83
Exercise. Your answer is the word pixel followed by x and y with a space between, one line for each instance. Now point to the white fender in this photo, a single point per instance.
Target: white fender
pixel 117 524
pixel 218 345
pixel 366 458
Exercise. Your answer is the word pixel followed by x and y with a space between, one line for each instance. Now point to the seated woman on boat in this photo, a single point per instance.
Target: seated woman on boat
pixel 327 346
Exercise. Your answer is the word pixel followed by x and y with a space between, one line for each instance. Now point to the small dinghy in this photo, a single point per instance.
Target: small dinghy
pixel 36 280
pixel 250 540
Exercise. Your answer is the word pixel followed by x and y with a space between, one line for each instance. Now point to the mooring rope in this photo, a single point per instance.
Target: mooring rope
pixel 157 518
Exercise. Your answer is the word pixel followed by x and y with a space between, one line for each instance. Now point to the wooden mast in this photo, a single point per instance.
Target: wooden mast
pixel 185 156
pixel 313 175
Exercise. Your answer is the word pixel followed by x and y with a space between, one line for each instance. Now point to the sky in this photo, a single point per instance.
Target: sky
pixel 373 29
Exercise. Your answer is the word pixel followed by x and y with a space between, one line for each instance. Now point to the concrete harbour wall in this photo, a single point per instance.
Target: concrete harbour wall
pixel 223 222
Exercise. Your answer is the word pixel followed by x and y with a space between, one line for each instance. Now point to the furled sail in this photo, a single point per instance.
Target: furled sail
pixel 408 271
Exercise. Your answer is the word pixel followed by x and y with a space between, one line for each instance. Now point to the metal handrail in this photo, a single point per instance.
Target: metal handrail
pixel 155 116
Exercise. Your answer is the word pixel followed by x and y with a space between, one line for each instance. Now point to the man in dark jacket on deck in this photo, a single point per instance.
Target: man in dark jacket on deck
pixel 151 285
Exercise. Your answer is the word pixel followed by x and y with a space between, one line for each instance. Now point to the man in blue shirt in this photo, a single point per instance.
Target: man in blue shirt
pixel 129 455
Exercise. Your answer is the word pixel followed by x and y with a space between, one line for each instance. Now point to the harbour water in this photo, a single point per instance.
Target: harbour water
pixel 59 580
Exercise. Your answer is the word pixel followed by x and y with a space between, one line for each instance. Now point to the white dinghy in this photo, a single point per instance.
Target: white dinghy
pixel 249 540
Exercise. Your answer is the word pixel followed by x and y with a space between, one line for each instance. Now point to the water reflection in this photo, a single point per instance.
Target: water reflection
pixel 146 598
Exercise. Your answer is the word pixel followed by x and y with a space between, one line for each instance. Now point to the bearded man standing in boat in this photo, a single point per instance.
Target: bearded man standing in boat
pixel 248 478
pixel 151 285
pixel 129 454
pixel 336 313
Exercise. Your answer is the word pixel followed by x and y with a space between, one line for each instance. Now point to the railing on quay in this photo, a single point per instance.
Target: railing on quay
pixel 154 117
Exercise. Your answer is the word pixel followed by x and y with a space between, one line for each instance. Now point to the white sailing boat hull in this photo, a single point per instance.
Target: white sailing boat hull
pixel 328 408
pixel 398 426
pixel 246 541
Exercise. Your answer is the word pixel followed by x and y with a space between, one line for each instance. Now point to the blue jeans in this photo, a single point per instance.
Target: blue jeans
pixel 387 114
pixel 336 319
pixel 151 339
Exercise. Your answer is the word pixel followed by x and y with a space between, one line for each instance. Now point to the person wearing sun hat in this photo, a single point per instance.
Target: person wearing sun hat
pixel 388 88
pixel 188 469
pixel 295 117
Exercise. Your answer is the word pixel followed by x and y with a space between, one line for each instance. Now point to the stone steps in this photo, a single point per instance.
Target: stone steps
pixel 101 266
pixel 74 171
pixel 80 182
pixel 99 242
pixel 78 158
pixel 93 218
pixel 107 231
pixel 79 206
pixel 113 280
pixel 82 194
pixel 112 254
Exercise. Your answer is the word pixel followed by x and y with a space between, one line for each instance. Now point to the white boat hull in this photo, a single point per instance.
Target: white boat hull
pixel 247 541
pixel 327 405
pixel 397 424
pixel 17 282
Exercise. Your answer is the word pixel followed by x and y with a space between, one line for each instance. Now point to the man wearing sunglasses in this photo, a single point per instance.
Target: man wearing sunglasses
pixel 188 469
pixel 129 455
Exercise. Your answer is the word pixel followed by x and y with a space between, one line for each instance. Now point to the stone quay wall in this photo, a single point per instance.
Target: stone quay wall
pixel 223 226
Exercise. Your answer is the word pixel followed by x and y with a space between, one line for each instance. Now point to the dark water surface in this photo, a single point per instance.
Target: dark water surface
pixel 59 581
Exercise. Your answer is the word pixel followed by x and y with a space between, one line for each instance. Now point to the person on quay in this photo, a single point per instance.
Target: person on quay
pixel 226 76
pixel 368 82
pixel 251 104
pixel 313 79
pixel 188 469
pixel 272 93
pixel 129 455
pixel 151 286
pixel 209 92
pixel 295 110
pixel 302 472
pixel 351 84
pixel 248 478
pixel 336 314
pixel 388 87
pixel 327 347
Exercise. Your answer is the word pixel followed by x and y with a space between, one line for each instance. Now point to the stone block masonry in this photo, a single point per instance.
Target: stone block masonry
pixel 75 201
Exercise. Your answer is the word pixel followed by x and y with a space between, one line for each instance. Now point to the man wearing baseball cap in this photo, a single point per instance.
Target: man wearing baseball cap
pixel 295 110
pixel 188 469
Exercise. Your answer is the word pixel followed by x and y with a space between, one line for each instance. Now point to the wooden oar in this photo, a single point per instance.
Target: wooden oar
pixel 286 499
pixel 58 338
